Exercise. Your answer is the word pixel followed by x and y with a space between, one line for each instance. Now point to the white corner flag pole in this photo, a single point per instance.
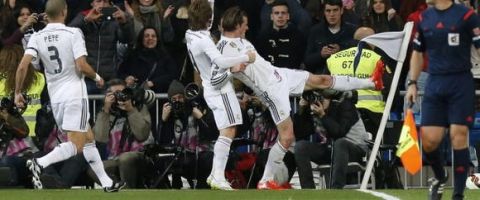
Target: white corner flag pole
pixel 403 51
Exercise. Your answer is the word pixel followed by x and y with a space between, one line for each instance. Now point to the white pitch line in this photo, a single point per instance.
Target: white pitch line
pixel 379 194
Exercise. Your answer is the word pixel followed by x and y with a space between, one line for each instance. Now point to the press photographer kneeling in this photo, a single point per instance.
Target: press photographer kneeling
pixel 189 126
pixel 329 116
pixel 13 149
pixel 123 125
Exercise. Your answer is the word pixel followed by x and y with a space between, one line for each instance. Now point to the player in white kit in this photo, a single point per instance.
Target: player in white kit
pixel 222 100
pixel 274 86
pixel 62 51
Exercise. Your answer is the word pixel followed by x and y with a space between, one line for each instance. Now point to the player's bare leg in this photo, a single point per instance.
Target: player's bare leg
pixel 276 155
pixel 221 150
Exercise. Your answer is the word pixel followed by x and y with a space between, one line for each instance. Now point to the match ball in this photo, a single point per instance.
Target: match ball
pixel 473 181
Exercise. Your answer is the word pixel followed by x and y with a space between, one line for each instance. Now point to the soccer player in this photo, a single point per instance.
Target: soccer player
pixel 446 33
pixel 274 86
pixel 62 51
pixel 222 100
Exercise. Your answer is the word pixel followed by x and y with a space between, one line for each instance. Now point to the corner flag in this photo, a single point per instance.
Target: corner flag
pixel 407 148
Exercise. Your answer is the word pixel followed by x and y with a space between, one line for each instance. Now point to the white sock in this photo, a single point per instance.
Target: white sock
pixel 345 83
pixel 60 153
pixel 275 158
pixel 220 156
pixel 90 152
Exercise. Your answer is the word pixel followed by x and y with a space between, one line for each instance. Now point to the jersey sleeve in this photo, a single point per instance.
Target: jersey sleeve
pixel 78 44
pixel 221 60
pixel 473 26
pixel 32 48
pixel 418 40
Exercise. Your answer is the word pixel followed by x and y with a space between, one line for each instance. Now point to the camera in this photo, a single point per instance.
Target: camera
pixel 40 17
pixel 107 13
pixel 192 93
pixel 7 103
pixel 313 96
pixel 136 95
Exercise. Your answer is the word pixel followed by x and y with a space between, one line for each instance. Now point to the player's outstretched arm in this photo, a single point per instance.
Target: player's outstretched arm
pixel 19 79
pixel 87 70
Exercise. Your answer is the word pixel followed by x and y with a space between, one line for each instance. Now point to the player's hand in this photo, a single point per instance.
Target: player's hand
pixel 167 109
pixel 120 16
pixel 168 12
pixel 238 68
pixel 93 15
pixel 19 101
pixel 411 94
pixel 128 8
pixel 251 56
pixel 100 83
pixel 197 113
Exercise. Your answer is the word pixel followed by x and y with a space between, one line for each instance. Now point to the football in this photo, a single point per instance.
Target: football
pixel 473 181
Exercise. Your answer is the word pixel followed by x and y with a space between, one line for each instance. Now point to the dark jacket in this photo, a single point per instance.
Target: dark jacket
pixel 339 119
pixel 139 63
pixel 101 42
pixel 207 130
pixel 283 47
pixel 321 36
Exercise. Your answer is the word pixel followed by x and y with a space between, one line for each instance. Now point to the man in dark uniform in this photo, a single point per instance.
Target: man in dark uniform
pixel 446 32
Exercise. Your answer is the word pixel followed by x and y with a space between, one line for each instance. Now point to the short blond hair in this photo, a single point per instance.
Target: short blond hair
pixel 54 8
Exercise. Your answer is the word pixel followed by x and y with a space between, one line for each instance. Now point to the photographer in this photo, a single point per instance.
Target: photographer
pixel 340 119
pixel 123 124
pixel 189 125
pixel 13 148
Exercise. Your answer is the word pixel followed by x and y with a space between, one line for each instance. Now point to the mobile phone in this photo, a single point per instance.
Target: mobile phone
pixel 108 12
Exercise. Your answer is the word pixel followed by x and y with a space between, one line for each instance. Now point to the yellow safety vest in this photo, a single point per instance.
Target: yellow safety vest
pixel 341 63
pixel 34 93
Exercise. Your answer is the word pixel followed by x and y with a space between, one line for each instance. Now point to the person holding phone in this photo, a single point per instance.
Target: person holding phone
pixel 103 26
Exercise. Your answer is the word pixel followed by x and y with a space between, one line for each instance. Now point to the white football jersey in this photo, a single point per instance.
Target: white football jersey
pixel 57 47
pixel 259 75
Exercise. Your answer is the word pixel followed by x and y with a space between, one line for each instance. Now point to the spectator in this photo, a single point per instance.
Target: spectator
pixel 282 43
pixel 21 25
pixel 349 14
pixel 383 18
pixel 151 13
pixel 101 37
pixel 328 37
pixel 342 124
pixel 123 125
pixel 300 17
pixel 148 64
pixel 190 126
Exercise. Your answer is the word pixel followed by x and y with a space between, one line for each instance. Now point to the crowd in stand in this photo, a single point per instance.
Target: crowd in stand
pixel 141 44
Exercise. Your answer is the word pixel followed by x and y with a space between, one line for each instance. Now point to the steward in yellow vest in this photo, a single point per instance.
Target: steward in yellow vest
pixel 370 102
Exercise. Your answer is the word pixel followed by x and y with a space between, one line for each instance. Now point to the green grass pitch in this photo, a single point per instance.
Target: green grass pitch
pixel 81 194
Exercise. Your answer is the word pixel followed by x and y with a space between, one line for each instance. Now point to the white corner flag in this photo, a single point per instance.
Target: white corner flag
pixel 395 45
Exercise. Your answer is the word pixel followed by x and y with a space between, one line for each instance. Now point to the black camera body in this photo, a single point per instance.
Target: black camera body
pixel 192 93
pixel 107 13
pixel 313 96
pixel 137 95
pixel 7 103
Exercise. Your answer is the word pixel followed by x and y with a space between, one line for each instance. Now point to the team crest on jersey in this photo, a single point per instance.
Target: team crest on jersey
pixel 233 45
pixel 453 39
